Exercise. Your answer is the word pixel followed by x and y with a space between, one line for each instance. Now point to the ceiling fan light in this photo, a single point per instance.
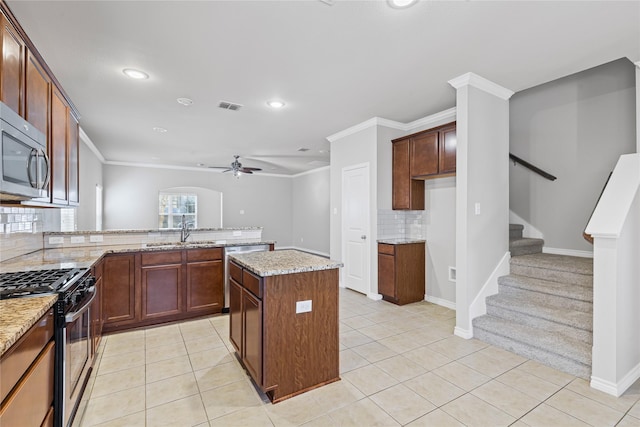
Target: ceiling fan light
pixel 237 174
pixel 276 104
pixel 401 4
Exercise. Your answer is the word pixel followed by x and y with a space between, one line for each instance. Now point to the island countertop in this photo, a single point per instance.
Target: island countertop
pixel 283 262
pixel 17 315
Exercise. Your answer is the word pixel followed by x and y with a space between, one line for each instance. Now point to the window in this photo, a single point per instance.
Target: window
pixel 172 206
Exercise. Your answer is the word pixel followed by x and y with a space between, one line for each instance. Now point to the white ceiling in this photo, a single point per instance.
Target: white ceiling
pixel 334 65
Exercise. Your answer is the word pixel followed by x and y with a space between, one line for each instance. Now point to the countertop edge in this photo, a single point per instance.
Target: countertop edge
pixel 304 268
pixel 12 332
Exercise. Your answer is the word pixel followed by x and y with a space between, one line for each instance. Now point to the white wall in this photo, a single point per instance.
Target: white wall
pixel 575 128
pixel 310 200
pixel 90 176
pixel 131 198
pixel 482 177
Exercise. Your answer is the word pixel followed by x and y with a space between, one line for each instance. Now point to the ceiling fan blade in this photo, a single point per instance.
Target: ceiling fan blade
pixel 250 169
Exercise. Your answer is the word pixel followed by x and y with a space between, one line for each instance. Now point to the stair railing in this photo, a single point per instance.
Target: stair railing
pixel 531 167
pixel 588 237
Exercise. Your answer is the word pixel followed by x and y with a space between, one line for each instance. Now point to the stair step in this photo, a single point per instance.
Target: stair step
pixel 559 295
pixel 553 349
pixel 515 231
pixel 531 312
pixel 525 246
pixel 554 268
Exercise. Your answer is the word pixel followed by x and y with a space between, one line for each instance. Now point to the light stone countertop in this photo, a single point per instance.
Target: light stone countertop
pixel 283 262
pixel 17 315
pixel 401 241
pixel 89 232
pixel 85 257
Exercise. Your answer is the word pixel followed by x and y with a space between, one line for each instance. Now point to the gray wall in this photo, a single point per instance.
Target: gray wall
pixel 131 198
pixel 310 201
pixel 575 128
pixel 90 176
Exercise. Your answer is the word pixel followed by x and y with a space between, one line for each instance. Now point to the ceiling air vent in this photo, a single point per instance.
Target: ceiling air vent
pixel 229 106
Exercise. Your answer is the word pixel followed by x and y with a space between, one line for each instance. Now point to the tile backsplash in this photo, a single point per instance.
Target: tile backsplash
pixel 401 224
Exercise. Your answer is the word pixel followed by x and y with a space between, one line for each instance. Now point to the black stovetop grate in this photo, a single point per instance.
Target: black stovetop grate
pixel 31 282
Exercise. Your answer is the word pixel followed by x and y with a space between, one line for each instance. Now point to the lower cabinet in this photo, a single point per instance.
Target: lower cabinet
pixel 401 272
pixel 150 287
pixel 26 370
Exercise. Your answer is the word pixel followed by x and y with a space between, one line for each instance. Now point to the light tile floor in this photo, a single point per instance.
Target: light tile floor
pixel 399 366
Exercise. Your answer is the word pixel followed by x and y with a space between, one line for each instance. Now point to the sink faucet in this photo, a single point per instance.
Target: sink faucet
pixel 184 230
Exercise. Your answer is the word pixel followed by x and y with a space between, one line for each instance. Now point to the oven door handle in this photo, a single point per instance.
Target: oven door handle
pixel 71 317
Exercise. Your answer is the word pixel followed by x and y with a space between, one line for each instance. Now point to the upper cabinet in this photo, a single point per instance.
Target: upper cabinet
pixel 29 88
pixel 423 155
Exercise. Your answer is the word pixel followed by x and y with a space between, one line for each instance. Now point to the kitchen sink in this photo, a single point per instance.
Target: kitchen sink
pixel 193 243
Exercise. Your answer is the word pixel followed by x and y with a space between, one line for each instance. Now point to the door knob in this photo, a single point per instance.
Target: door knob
pixel 363 237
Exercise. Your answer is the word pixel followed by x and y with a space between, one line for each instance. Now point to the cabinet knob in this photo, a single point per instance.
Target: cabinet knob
pixel 26 127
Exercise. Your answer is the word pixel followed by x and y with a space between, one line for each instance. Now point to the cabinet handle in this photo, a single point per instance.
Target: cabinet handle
pixel 363 237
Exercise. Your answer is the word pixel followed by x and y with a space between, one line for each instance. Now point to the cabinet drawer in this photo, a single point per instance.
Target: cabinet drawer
pixel 252 283
pixel 156 258
pixel 31 400
pixel 204 254
pixel 384 248
pixel 18 359
pixel 235 271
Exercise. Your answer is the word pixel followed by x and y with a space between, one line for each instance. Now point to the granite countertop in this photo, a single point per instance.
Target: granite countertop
pixel 400 241
pixel 85 257
pixel 17 315
pixel 75 233
pixel 283 262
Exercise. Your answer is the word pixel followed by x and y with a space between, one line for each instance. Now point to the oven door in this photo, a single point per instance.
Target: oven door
pixel 77 356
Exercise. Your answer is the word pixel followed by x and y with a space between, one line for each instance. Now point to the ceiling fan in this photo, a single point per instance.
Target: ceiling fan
pixel 236 167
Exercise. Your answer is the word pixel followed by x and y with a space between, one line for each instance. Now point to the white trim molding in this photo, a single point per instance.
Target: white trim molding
pixel 569 252
pixel 616 389
pixel 462 333
pixel 471 79
pixel 479 305
pixel 320 169
pixel 440 301
pixel 87 141
pixel 449 114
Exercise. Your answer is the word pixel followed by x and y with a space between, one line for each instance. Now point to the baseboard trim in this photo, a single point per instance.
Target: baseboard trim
pixel 569 252
pixel 440 301
pixel 310 251
pixel 479 306
pixel 462 333
pixel 616 389
pixel 375 297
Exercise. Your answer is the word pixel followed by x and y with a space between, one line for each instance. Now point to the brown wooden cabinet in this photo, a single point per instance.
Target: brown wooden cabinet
pixel 37 95
pixel 119 291
pixel 73 159
pixel 12 62
pixel 27 370
pixel 423 155
pixel 96 307
pixel 286 352
pixel 401 272
pixel 151 287
pixel 58 148
pixel 205 277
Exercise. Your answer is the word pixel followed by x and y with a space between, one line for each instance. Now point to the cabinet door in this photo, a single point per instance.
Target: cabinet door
pixel 37 95
pixel 58 147
pixel 235 315
pixel 447 150
pixel 119 289
pixel 386 275
pixel 161 291
pixel 204 286
pixel 424 154
pixel 11 66
pixel 252 335
pixel 73 164
pixel 407 193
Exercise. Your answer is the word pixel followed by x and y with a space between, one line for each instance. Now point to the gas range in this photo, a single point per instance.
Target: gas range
pixel 39 282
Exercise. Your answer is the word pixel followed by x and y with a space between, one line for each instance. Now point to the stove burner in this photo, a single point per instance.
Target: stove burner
pixel 26 283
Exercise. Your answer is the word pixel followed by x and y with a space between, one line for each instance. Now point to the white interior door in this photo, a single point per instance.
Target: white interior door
pixel 355 227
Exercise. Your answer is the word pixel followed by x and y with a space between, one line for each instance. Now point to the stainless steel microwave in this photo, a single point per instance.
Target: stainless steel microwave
pixel 24 166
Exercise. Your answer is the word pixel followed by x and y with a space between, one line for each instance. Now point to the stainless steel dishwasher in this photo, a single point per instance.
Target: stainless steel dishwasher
pixel 236 250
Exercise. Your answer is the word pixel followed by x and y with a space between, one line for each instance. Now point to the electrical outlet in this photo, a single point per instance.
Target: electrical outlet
pixel 77 239
pixel 477 208
pixel 303 306
pixel 241 211
pixel 56 240
pixel 97 238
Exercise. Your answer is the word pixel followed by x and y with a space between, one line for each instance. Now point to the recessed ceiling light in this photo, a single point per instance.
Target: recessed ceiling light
pixel 135 74
pixel 275 104
pixel 401 4
pixel 159 129
pixel 185 101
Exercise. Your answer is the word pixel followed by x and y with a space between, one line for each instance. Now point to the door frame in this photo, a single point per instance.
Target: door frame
pixel 343 234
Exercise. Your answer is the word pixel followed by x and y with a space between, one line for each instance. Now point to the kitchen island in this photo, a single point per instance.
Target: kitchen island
pixel 284 320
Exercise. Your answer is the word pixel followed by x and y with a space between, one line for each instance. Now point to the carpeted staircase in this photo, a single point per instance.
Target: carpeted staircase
pixel 544 309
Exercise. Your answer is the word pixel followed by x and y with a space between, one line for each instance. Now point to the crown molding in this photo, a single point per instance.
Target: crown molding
pixel 87 141
pixel 449 114
pixel 320 169
pixel 637 64
pixel 471 79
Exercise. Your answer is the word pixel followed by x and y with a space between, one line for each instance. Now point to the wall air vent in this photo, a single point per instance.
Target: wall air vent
pixel 229 106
